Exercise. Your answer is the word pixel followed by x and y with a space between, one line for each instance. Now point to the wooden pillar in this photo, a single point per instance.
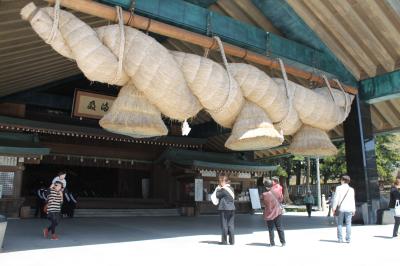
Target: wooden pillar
pixel 18 180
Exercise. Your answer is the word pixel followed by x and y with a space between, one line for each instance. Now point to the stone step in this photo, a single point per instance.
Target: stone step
pixel 120 212
pixel 125 212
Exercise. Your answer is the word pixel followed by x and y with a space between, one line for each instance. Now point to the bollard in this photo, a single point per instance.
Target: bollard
pixel 3 226
pixel 323 202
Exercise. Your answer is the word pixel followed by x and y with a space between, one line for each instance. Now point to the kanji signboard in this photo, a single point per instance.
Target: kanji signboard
pixel 91 105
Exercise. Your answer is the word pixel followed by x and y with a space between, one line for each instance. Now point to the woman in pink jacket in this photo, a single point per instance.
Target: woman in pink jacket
pixel 273 213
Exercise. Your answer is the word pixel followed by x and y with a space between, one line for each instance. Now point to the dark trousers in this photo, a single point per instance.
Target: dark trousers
pixel 71 209
pixel 54 218
pixel 276 223
pixel 227 226
pixel 396 226
pixel 39 208
pixel 309 209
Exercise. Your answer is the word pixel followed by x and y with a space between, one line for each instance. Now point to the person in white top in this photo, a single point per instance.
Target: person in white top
pixel 344 207
pixel 60 178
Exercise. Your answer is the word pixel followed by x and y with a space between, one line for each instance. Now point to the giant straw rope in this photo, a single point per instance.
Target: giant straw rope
pixel 259 109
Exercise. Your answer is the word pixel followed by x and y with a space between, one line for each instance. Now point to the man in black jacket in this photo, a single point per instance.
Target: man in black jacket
pixel 226 207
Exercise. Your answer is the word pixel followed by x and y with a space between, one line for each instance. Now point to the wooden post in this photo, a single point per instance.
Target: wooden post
pixel 109 13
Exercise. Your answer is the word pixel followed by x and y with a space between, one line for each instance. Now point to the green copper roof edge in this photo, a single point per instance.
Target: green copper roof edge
pixel 4 150
pixel 380 88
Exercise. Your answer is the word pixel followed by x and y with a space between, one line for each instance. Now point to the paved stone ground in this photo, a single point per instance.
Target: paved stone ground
pixel 193 241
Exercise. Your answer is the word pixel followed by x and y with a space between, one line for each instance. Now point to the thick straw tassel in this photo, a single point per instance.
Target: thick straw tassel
pixel 310 141
pixel 133 115
pixel 253 130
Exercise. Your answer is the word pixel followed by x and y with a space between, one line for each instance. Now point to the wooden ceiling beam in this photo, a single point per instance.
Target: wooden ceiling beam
pixel 33 69
pixel 317 26
pixel 395 110
pixel 386 112
pixel 178 45
pixel 378 20
pixel 338 131
pixel 234 11
pixel 35 61
pixel 13 87
pixel 216 8
pixel 378 121
pixel 364 35
pixel 24 51
pixel 320 10
pixel 395 103
pixel 41 53
pixel 36 74
pixel 257 16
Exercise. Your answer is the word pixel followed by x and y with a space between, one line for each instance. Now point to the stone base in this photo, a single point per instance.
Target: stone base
pixel 10 207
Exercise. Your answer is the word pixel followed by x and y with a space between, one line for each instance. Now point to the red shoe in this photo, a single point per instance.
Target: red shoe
pixel 54 237
pixel 46 232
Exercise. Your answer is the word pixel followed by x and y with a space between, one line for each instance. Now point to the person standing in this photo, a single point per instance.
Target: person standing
pixel 70 202
pixel 226 206
pixel 394 196
pixel 309 202
pixel 273 213
pixel 344 207
pixel 330 199
pixel 277 188
pixel 40 201
pixel 54 202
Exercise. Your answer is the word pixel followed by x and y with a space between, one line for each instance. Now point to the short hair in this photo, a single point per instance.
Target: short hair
pixel 275 179
pixel 268 184
pixel 346 179
pixel 223 177
pixel 62 173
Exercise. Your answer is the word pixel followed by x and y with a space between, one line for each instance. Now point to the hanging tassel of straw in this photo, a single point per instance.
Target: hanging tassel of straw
pixel 253 130
pixel 133 115
pixel 311 141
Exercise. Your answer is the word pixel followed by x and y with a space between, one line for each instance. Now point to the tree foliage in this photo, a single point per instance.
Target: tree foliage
pixel 387 155
pixel 333 167
pixel 387 150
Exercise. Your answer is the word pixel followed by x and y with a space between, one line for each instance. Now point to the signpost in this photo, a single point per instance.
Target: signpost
pixel 254 198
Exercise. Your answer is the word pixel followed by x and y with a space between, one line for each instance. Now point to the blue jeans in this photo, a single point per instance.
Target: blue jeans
pixel 346 216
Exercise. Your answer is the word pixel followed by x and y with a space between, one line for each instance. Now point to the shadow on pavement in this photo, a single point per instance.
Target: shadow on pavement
pixel 210 242
pixel 328 240
pixel 26 234
pixel 385 237
pixel 258 244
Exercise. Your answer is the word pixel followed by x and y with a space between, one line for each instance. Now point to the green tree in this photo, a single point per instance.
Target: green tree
pixel 387 155
pixel 333 167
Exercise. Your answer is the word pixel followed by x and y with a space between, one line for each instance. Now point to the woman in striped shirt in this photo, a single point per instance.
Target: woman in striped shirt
pixel 54 202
